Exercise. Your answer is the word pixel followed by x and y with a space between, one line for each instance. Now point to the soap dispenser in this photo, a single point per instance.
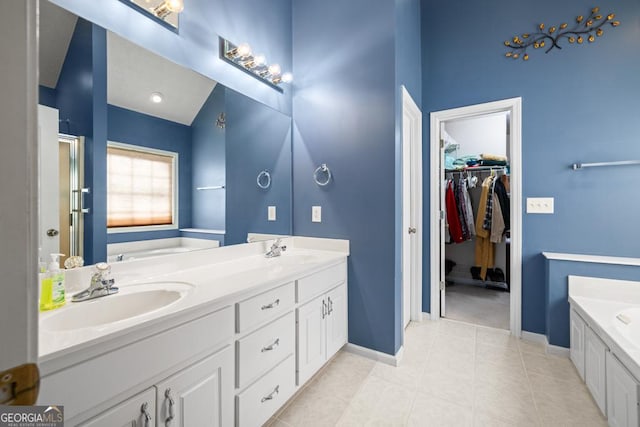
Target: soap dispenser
pixel 53 295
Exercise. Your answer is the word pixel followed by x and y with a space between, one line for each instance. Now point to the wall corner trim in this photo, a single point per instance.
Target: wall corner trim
pixel 553 350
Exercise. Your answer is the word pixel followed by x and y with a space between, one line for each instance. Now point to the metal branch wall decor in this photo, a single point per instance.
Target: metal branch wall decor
pixel 585 28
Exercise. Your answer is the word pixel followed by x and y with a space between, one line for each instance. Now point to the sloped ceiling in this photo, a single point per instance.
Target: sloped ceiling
pixel 133 73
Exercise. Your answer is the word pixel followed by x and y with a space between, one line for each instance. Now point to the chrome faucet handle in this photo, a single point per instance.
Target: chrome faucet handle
pixel 101 284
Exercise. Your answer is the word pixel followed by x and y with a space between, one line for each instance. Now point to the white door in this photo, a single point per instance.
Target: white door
pixel 411 209
pixel 49 176
pixel 336 319
pixel 443 222
pixel 138 411
pixel 199 395
pixel 312 338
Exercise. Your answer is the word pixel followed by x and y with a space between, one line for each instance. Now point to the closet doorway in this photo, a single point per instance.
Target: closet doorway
pixel 476 214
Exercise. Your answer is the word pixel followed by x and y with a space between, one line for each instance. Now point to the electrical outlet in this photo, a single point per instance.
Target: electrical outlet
pixel 316 213
pixel 271 213
pixel 540 205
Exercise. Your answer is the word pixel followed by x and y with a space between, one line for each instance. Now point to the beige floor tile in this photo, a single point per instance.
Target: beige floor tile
pixel 274 422
pixel 496 337
pixel 447 384
pixel 487 371
pixel 407 374
pixel 432 411
pixel 457 329
pixel 481 419
pixel 527 346
pixel 340 381
pixel 478 305
pixel 500 355
pixel 553 366
pixel 565 402
pixel 506 399
pixel 378 402
pixel 313 409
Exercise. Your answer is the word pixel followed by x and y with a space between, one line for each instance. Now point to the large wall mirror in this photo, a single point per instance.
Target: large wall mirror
pixel 140 156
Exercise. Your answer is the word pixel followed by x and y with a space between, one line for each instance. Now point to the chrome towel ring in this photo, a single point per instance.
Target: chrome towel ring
pixel 323 169
pixel 264 179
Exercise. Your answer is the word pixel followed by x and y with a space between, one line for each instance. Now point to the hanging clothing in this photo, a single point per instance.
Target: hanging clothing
pixel 485 250
pixel 488 211
pixel 503 198
pixel 466 207
pixel 457 191
pixel 497 221
pixel 455 229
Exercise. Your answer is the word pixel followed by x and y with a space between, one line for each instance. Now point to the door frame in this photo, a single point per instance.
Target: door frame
pixel 411 111
pixel 514 107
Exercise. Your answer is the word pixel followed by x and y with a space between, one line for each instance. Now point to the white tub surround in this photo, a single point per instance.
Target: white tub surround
pixel 605 343
pixel 209 324
pixel 156 247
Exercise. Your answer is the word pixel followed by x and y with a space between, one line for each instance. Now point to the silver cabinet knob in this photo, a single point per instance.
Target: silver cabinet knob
pixel 52 232
pixel 412 230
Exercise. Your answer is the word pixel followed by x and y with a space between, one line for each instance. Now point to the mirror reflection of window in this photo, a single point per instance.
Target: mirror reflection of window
pixel 140 187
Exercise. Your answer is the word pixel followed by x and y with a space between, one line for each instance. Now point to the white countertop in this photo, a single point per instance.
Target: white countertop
pixel 598 301
pixel 217 277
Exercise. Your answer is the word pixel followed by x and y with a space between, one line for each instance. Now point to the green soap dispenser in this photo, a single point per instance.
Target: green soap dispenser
pixel 52 284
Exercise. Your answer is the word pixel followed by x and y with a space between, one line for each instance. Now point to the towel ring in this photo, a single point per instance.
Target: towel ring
pixel 324 169
pixel 264 179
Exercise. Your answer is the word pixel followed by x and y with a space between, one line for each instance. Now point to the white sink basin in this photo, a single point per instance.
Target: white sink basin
pixel 294 259
pixel 130 302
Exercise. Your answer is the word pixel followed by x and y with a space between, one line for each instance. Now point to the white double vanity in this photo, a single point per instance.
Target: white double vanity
pixel 605 344
pixel 217 337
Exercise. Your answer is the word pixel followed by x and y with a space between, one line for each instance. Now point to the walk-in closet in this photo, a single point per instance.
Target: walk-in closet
pixel 475 196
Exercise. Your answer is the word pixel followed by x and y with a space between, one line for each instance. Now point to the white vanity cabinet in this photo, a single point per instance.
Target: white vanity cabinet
pixel 322 331
pixel 137 411
pixel 595 353
pixel 622 395
pixel 199 395
pixel 577 342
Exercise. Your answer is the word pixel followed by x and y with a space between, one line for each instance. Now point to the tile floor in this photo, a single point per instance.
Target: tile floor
pixel 452 374
pixel 478 305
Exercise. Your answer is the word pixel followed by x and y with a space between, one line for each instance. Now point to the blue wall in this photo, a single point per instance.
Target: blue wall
pixel 47 96
pixel 408 74
pixel 82 102
pixel 579 104
pixel 208 144
pixel 131 127
pixel 557 320
pixel 257 138
pixel 265 25
pixel 344 110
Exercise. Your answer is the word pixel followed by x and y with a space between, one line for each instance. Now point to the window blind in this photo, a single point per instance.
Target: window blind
pixel 140 187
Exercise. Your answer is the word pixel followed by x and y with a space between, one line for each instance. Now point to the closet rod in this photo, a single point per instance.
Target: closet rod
pixel 577 166
pixel 215 187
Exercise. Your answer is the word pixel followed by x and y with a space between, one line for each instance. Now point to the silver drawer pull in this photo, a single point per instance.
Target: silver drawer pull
pixel 271 395
pixel 144 409
pixel 272 305
pixel 272 346
pixel 170 401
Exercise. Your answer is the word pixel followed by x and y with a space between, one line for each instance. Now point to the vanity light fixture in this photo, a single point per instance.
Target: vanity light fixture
pixel 242 57
pixel 156 97
pixel 168 7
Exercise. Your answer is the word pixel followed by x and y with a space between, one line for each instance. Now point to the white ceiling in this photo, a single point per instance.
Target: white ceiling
pixel 133 73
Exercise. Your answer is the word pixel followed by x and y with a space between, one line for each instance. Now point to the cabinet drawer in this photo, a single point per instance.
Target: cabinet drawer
pixel 319 283
pixel 264 348
pixel 259 309
pixel 259 402
pixel 132 412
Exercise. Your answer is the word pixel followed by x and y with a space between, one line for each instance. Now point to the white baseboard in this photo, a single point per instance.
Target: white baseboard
pixel 375 355
pixel 548 348
pixel 426 316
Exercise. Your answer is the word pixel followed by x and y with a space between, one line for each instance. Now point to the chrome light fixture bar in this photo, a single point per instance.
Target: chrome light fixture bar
pixel 241 57
pixel 164 12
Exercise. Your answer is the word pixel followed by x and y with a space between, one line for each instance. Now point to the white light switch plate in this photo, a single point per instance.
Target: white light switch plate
pixel 271 213
pixel 540 205
pixel 316 213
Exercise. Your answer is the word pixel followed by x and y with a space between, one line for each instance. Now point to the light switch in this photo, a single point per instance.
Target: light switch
pixel 271 213
pixel 316 213
pixel 540 205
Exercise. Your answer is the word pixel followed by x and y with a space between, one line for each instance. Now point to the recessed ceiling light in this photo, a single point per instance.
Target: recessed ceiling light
pixel 156 97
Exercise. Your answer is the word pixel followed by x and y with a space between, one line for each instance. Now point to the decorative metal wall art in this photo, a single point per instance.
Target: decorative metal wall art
pixel 584 29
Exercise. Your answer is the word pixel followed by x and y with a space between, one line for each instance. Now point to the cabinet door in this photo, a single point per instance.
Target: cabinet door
pixel 336 319
pixel 312 351
pixel 138 411
pixel 577 342
pixel 622 395
pixel 594 368
pixel 200 395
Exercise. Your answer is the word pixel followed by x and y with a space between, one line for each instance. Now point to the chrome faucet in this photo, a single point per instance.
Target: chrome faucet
pixel 101 284
pixel 276 249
